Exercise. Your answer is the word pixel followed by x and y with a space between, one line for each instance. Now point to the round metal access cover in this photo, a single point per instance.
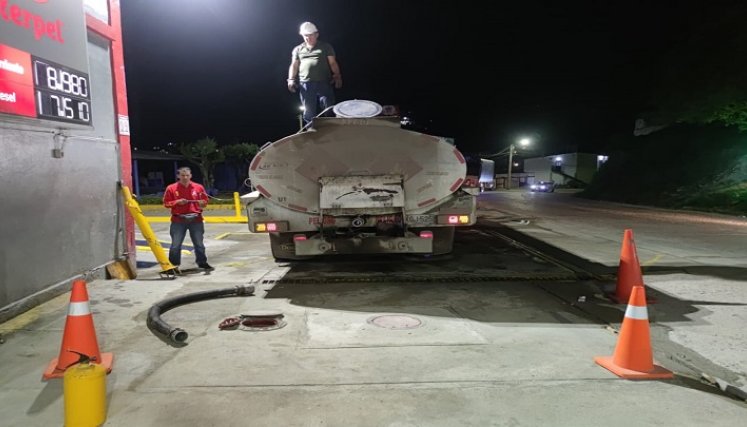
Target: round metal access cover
pixel 395 321
pixel 357 108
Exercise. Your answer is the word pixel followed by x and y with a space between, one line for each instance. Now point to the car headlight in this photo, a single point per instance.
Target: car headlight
pixel 533 187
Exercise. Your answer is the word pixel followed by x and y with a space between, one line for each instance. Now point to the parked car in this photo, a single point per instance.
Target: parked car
pixel 543 186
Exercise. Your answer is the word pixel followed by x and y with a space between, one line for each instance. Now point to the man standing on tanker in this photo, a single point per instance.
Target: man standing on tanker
pixel 313 71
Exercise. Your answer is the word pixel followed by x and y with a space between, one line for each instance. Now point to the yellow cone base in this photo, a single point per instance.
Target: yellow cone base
pixel 658 373
pixel 107 359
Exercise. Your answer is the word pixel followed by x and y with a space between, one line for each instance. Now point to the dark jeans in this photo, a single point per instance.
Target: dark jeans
pixel 315 95
pixel 196 231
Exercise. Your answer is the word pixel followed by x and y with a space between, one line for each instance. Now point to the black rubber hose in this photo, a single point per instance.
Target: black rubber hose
pixel 177 335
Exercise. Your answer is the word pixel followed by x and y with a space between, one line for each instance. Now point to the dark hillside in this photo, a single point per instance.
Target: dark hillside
pixel 683 167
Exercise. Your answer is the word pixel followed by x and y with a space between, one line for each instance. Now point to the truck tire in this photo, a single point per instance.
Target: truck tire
pixel 283 248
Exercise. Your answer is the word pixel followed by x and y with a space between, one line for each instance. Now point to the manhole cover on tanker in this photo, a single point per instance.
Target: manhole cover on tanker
pixel 395 321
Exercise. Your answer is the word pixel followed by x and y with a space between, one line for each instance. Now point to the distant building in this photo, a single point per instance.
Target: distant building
pixel 565 169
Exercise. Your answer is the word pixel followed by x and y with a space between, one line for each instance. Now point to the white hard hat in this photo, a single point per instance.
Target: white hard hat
pixel 307 28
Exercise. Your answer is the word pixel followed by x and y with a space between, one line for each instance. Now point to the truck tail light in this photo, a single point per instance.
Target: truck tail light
pixel 454 219
pixel 299 237
pixel 426 234
pixel 270 226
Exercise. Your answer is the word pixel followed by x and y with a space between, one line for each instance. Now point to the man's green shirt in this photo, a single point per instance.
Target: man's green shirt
pixel 314 64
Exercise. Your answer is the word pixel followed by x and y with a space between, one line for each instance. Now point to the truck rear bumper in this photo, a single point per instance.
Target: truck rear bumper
pixel 367 245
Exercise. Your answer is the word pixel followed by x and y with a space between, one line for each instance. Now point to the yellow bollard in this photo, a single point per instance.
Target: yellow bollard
pixel 144 227
pixel 237 203
pixel 84 390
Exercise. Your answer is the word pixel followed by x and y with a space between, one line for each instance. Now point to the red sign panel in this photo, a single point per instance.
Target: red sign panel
pixel 16 82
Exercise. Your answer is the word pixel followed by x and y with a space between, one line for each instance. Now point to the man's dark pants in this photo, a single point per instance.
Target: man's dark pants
pixel 178 231
pixel 315 95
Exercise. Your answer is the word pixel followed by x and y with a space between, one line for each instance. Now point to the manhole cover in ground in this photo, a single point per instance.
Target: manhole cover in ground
pixel 395 321
pixel 255 321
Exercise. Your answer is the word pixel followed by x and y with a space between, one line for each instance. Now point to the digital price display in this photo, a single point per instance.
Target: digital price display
pixel 44 61
pixel 61 93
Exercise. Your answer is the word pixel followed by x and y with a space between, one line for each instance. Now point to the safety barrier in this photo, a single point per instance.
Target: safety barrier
pixel 166 267
pixel 237 218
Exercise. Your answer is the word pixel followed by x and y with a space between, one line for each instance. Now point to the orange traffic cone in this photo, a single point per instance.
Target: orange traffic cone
pixel 633 358
pixel 79 336
pixel 629 270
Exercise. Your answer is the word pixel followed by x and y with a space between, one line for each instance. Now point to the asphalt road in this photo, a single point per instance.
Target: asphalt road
pixel 594 229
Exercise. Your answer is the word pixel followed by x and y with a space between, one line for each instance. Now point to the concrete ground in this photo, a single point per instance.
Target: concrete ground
pixel 501 352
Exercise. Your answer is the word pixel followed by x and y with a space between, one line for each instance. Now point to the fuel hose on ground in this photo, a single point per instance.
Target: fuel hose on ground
pixel 178 335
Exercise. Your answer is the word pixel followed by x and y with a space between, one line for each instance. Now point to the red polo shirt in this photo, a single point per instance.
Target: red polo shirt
pixel 191 192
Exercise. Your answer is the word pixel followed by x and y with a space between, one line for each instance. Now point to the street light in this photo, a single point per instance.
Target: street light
pixel 523 142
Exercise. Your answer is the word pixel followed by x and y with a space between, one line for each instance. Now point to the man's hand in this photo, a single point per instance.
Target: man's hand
pixel 292 85
pixel 203 203
pixel 337 80
pixel 181 202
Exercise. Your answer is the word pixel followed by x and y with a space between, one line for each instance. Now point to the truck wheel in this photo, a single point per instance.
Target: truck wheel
pixel 283 248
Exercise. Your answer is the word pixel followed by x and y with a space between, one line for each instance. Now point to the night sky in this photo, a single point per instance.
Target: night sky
pixel 568 74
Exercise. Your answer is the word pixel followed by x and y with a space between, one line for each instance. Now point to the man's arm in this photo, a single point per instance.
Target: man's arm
pixel 336 75
pixel 292 73
pixel 204 198
pixel 169 200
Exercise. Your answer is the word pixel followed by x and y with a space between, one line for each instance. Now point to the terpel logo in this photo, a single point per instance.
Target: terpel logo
pixel 24 18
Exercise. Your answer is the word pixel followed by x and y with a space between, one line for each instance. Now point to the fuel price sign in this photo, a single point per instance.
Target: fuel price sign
pixel 61 93
pixel 44 61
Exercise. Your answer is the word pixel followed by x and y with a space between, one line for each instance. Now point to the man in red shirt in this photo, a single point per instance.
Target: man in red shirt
pixel 186 200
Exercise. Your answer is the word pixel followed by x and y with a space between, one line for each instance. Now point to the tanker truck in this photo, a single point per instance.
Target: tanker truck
pixel 359 183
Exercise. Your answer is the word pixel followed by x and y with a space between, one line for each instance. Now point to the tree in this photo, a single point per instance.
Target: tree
pixel 205 154
pixel 239 156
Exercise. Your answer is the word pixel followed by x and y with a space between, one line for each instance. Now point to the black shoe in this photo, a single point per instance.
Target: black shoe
pixel 206 266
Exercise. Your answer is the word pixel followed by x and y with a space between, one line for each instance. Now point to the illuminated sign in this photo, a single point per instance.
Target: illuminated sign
pixel 16 82
pixel 61 93
pixel 54 30
pixel 44 60
pixel 34 87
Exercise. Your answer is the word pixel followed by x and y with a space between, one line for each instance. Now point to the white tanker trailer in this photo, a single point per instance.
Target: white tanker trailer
pixel 359 186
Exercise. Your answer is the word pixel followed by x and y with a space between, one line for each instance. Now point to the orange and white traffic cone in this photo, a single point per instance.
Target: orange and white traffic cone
pixel 633 358
pixel 79 336
pixel 628 271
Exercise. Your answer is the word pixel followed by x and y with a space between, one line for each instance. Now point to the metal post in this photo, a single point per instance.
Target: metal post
pixel 146 230
pixel 237 203
pixel 510 165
